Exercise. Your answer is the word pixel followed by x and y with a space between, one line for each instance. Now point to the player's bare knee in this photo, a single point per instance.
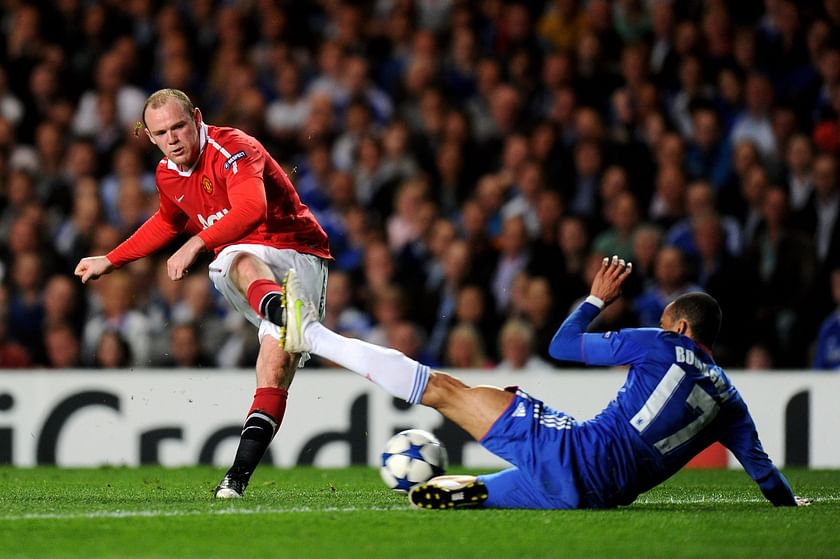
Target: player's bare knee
pixel 442 390
pixel 246 268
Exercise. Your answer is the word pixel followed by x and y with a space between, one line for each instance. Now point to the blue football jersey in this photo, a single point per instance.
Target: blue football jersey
pixel 675 402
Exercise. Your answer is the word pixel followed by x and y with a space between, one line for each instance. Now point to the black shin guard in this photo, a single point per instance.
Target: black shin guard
pixel 272 308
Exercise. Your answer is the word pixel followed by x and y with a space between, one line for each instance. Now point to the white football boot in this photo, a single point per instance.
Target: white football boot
pixel 299 314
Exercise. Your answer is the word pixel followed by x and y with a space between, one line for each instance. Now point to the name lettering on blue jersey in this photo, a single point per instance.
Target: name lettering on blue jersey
pixel 687 356
pixel 233 159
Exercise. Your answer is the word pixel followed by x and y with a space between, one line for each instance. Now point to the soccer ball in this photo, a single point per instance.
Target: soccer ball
pixel 411 457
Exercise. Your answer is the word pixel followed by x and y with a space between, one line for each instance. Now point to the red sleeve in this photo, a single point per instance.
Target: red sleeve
pixel 248 210
pixel 152 236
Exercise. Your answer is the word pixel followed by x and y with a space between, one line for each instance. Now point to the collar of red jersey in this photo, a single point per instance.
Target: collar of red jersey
pixel 202 143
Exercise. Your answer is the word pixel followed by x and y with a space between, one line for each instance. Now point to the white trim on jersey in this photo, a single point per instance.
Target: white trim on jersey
pixel 224 152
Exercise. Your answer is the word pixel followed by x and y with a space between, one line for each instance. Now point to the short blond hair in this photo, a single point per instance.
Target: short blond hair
pixel 162 96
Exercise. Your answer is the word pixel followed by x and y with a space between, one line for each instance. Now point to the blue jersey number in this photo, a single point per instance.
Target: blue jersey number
pixel 698 401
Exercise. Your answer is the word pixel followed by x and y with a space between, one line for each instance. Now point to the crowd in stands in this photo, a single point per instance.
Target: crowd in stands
pixel 472 162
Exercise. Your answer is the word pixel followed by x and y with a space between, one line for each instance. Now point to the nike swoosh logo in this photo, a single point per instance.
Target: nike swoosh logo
pixel 179 198
pixel 298 306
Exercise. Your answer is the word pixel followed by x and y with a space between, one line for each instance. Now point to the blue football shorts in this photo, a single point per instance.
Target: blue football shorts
pixel 538 441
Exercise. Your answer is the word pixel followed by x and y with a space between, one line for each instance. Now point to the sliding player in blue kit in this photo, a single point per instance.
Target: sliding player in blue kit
pixel 675 403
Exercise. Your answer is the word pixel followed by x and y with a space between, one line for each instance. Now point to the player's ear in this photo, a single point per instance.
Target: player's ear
pixel 197 117
pixel 682 327
pixel 149 135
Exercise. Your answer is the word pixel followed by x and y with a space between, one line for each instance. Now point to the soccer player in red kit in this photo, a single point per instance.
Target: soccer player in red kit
pixel 221 186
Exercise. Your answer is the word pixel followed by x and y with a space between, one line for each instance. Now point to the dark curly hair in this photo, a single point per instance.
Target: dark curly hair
pixel 702 312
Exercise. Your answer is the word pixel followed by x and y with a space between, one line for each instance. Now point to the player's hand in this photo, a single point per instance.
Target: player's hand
pixel 92 267
pixel 609 278
pixel 179 263
pixel 802 501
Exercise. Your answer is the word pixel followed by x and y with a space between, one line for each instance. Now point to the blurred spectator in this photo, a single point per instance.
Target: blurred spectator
pixel 562 24
pixel 623 217
pixel 754 187
pixel 759 358
pixel 110 87
pixel 11 108
pixel 668 204
pixel 198 310
pixel 785 262
pixel 692 91
pixel 709 154
pixel 754 122
pixel 402 226
pixel 63 303
pixel 540 309
pixel 185 347
pixel 127 164
pixel 74 235
pixel 456 264
pixel 513 258
pixel 516 348
pixel 799 158
pixel 646 244
pixel 583 199
pixel 822 213
pixel 723 276
pixel 62 345
pixel 112 351
pixel 119 318
pixel 670 281
pixel 700 199
pixel 407 337
pixel 387 308
pixel 341 315
pixel 286 115
pixel 473 307
pixel 464 349
pixel 12 354
pixel 25 306
pixel 827 354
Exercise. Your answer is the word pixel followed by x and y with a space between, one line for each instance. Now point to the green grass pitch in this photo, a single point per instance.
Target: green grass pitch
pixel 308 512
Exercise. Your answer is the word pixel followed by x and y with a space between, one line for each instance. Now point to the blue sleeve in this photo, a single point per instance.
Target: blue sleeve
pixel 741 438
pixel 572 343
pixel 567 343
pixel 777 489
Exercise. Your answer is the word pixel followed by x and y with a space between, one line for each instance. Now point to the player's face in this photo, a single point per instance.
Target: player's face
pixel 174 132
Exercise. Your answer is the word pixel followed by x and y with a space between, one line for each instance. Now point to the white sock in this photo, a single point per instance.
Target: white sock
pixel 397 374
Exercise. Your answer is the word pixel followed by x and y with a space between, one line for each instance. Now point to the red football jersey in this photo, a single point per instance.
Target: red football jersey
pixel 236 193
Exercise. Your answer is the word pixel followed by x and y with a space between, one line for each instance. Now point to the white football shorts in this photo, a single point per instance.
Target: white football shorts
pixel 311 270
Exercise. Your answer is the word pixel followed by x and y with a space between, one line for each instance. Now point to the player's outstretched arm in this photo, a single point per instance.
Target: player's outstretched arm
pixel 567 343
pixel 92 267
pixel 776 489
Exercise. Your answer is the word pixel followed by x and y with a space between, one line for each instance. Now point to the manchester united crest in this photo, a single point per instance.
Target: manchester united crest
pixel 207 185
